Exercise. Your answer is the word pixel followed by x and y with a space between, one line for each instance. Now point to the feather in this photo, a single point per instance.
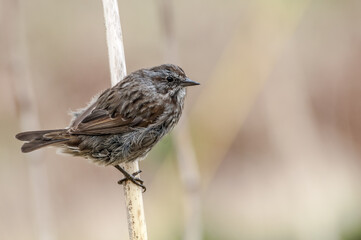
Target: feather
pixel 31 135
pixel 36 144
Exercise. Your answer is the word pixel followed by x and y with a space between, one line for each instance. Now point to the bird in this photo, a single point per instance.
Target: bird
pixel 123 123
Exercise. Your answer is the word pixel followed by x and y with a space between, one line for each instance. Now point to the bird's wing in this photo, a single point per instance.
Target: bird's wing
pixel 116 113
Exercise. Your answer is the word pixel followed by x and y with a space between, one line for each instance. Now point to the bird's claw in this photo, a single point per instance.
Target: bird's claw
pixel 137 181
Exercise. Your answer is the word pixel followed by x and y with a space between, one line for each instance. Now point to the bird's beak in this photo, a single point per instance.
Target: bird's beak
pixel 187 82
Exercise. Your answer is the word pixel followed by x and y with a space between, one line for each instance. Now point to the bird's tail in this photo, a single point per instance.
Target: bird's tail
pixel 39 139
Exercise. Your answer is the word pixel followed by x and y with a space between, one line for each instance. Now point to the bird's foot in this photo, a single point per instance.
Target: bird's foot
pixel 131 177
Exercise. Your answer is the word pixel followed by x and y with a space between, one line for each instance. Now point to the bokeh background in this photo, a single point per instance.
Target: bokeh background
pixel 271 145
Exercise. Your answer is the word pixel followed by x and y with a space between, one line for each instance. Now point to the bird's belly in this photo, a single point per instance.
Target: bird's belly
pixel 116 149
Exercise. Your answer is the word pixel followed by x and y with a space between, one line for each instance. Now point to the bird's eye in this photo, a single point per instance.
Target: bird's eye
pixel 170 79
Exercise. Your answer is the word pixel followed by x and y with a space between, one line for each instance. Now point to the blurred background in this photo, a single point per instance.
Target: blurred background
pixel 271 145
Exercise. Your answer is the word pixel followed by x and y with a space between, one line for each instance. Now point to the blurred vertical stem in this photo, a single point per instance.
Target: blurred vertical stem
pixel 187 162
pixel 133 194
pixel 27 111
pixel 188 170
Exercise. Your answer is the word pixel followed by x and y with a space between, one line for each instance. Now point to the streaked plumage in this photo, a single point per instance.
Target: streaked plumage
pixel 124 122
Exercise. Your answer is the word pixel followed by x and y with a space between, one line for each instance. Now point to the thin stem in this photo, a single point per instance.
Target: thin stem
pixel 24 97
pixel 186 157
pixel 133 193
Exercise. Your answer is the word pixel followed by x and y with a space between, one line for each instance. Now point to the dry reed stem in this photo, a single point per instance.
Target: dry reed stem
pixel 133 194
pixel 186 157
pixel 26 108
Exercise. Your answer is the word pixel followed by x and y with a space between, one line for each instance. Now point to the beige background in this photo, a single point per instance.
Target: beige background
pixel 276 122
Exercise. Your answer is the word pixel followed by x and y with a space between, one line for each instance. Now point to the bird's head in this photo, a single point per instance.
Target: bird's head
pixel 169 79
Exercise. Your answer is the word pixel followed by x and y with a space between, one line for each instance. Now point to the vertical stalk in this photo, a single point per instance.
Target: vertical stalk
pixel 25 101
pixel 186 157
pixel 133 194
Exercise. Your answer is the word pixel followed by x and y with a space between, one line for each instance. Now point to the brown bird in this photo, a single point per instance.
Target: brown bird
pixel 124 122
